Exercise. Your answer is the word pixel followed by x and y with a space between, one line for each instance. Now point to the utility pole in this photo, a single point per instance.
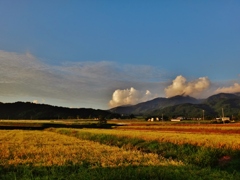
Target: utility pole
pixel 203 114
pixel 162 117
pixel 223 120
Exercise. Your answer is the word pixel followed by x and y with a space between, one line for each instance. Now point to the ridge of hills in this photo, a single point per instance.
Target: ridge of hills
pixel 28 110
pixel 187 106
pixel 157 103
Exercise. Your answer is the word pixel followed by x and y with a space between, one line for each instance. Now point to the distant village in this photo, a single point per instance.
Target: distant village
pixel 180 118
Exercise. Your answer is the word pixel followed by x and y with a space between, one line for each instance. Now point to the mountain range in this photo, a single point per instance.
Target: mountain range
pixel 218 105
pixel 223 104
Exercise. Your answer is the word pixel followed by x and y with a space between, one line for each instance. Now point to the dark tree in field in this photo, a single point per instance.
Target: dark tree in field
pixel 102 120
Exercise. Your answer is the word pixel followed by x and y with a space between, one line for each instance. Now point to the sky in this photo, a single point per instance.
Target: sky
pixel 103 54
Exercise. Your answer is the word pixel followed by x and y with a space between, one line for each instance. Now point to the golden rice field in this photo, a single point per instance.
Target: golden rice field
pixel 127 152
pixel 160 125
pixel 45 148
pixel 199 139
pixel 231 128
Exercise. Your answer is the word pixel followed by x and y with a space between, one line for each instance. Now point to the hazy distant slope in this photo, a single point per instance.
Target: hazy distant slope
pixel 218 99
pixel 213 107
pixel 186 106
pixel 228 103
pixel 186 110
pixel 154 104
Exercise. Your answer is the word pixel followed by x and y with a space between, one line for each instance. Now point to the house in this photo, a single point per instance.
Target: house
pixel 177 119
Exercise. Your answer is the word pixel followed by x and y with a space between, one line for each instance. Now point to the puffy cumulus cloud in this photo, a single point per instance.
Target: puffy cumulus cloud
pixel 129 97
pixel 231 89
pixel 180 86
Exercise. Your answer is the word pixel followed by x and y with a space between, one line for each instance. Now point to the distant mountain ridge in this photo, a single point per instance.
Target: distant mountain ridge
pixel 28 110
pixel 157 103
pixel 187 106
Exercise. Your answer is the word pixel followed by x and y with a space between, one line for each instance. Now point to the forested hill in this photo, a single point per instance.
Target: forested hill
pixel 187 106
pixel 155 104
pixel 27 110
pixel 218 105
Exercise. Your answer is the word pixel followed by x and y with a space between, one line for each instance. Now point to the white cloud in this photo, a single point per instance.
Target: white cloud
pixel 231 89
pixel 81 84
pixel 129 97
pixel 180 86
pixel 24 77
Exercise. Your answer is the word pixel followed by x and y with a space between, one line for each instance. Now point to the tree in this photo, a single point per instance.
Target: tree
pixel 102 120
pixel 131 116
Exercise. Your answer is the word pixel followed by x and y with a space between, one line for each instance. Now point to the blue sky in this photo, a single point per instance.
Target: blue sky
pixel 101 54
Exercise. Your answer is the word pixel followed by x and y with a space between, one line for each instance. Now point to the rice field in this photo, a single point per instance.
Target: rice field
pixel 230 141
pixel 125 152
pixel 194 128
pixel 44 148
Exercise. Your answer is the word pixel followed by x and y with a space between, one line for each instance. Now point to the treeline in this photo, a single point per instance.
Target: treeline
pixel 28 110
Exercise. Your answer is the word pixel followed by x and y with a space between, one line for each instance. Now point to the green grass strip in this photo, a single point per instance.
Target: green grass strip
pixel 130 172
